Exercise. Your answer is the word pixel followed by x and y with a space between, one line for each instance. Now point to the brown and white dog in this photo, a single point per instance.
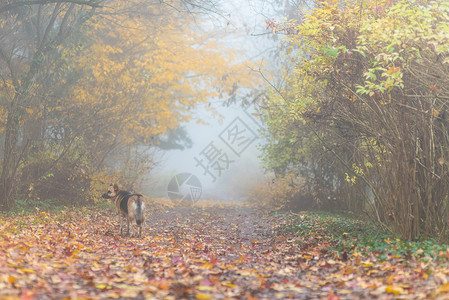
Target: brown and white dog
pixel 129 206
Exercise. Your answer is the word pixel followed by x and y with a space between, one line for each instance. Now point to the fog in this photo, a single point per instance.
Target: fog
pixel 228 180
pixel 220 181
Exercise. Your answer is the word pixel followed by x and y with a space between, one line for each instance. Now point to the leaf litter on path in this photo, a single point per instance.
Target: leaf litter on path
pixel 215 252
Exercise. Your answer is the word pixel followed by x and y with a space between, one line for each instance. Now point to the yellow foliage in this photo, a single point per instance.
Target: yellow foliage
pixel 149 76
pixel 99 182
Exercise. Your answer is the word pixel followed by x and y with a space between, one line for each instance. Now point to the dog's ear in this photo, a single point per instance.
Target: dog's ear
pixel 115 187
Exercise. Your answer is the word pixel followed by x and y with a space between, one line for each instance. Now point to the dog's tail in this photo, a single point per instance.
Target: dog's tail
pixel 139 210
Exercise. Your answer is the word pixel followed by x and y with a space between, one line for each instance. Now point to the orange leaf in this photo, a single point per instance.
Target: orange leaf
pixel 390 279
pixel 393 69
pixel 27 295
pixel 332 296
pixel 444 288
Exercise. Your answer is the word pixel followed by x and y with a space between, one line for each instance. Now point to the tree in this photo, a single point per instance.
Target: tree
pixel 97 93
pixel 24 55
pixel 370 76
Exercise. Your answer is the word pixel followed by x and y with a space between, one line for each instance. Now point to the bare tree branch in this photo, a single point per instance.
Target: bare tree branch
pixel 11 6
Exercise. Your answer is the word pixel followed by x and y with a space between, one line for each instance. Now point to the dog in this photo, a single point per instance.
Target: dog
pixel 129 206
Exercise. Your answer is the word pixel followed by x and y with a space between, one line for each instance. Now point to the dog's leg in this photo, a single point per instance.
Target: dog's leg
pixel 127 231
pixel 131 229
pixel 121 222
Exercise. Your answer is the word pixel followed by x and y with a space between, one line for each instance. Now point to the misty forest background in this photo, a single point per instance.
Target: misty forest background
pixel 354 101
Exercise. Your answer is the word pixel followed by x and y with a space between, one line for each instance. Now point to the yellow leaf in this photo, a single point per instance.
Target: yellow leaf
pixel 207 266
pixel 26 270
pixel 391 289
pixel 203 296
pixel 12 265
pixel 419 251
pixel 204 288
pixel 102 286
pixel 228 284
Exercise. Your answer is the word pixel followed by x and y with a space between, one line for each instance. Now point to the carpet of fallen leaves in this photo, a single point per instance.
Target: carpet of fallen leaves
pixel 213 252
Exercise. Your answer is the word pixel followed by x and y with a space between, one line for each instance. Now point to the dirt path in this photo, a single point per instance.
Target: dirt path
pixel 228 252
pixel 238 252
pixel 193 253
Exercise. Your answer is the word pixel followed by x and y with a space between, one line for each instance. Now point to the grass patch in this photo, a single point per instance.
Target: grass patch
pixel 31 206
pixel 347 234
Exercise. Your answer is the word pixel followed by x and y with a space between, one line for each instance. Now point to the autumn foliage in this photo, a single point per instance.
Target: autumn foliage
pixel 365 109
pixel 90 88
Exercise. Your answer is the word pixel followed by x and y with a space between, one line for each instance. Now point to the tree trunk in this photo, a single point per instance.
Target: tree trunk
pixel 9 162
